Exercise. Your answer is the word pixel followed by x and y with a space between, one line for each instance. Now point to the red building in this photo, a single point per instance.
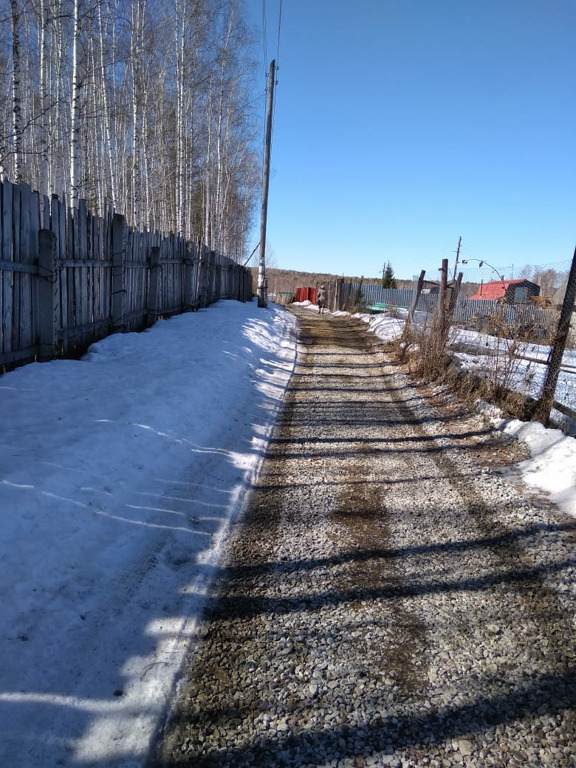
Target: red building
pixel 511 291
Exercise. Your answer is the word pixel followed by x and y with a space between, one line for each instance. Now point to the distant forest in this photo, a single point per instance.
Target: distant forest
pixel 287 280
pixel 552 282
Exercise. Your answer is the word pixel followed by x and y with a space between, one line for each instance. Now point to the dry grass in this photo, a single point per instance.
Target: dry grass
pixel 423 349
pixel 425 353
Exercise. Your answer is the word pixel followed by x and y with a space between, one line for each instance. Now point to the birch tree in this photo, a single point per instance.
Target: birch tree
pixel 75 109
pixel 5 94
pixel 107 33
pixel 16 92
pixel 44 99
pixel 138 11
pixel 139 105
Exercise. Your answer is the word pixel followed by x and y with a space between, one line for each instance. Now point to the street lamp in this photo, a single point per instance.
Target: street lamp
pixel 481 264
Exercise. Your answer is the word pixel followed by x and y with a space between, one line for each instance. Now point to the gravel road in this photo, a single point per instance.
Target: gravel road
pixel 390 599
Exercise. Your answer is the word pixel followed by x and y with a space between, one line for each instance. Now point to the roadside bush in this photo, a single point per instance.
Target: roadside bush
pixel 423 348
pixel 502 378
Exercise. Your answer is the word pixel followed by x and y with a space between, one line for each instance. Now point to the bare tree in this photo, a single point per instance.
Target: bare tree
pixel 16 92
pixel 142 105
pixel 75 110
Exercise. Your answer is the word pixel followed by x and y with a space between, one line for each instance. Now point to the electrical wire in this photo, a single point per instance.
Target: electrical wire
pixel 264 34
pixel 279 29
pixel 277 63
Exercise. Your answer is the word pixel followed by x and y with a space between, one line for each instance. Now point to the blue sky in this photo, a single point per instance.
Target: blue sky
pixel 401 125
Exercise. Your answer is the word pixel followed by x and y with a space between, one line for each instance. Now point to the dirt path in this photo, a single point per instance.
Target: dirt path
pixel 389 600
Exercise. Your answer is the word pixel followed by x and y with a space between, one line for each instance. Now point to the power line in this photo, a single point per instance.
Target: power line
pixel 278 41
pixel 563 265
pixel 264 33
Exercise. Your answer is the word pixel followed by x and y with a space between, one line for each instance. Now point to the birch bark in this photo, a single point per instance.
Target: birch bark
pixel 109 151
pixel 136 52
pixel 44 99
pixel 16 93
pixel 75 111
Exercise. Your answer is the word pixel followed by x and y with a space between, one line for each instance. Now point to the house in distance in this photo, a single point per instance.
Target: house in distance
pixel 509 291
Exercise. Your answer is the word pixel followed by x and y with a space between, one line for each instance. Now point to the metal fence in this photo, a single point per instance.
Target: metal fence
pixel 531 323
pixel 466 311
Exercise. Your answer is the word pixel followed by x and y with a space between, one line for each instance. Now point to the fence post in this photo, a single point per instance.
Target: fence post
pixel 239 277
pixel 454 297
pixel 417 291
pixel 154 285
pixel 202 278
pixel 546 401
pixel 118 273
pixel 189 278
pixel 337 306
pixel 48 296
pixel 217 278
pixel 212 278
pixel 442 299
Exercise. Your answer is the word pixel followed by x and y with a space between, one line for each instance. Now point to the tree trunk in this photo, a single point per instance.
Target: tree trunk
pixel 75 113
pixel 109 152
pixel 16 94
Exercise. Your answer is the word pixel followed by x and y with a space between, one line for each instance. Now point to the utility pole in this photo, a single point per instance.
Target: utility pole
pixel 262 281
pixel 457 258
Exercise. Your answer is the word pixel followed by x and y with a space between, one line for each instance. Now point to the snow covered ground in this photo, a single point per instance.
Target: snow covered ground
pixel 120 476
pixel 552 466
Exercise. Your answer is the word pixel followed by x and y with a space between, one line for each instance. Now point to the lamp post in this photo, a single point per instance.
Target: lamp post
pixel 481 264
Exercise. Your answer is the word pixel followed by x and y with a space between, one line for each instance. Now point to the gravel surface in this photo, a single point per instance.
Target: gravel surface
pixel 390 599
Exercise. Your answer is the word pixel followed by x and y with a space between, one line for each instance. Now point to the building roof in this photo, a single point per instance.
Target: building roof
pixel 496 290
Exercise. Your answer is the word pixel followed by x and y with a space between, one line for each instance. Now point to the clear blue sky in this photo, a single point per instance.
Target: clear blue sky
pixel 401 125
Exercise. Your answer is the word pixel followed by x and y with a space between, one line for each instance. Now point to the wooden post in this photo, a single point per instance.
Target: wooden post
pixel 248 288
pixel 197 276
pixel 546 401
pixel 118 273
pixel 454 295
pixel 48 296
pixel 457 258
pixel 154 285
pixel 442 320
pixel 211 276
pixel 204 276
pixel 217 278
pixel 416 296
pixel 189 271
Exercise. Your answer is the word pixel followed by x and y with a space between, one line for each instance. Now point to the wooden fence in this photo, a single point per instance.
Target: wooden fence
pixel 68 278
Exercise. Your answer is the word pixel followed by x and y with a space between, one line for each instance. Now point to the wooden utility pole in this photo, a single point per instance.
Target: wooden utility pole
pixel 546 401
pixel 457 258
pixel 262 281
pixel 454 296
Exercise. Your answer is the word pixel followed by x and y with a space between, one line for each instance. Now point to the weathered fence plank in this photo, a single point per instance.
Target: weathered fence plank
pixel 118 272
pixel 68 278
pixel 6 255
pixel 49 295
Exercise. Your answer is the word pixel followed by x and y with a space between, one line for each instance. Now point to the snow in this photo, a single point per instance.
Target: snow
pixel 121 475
pixel 552 466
